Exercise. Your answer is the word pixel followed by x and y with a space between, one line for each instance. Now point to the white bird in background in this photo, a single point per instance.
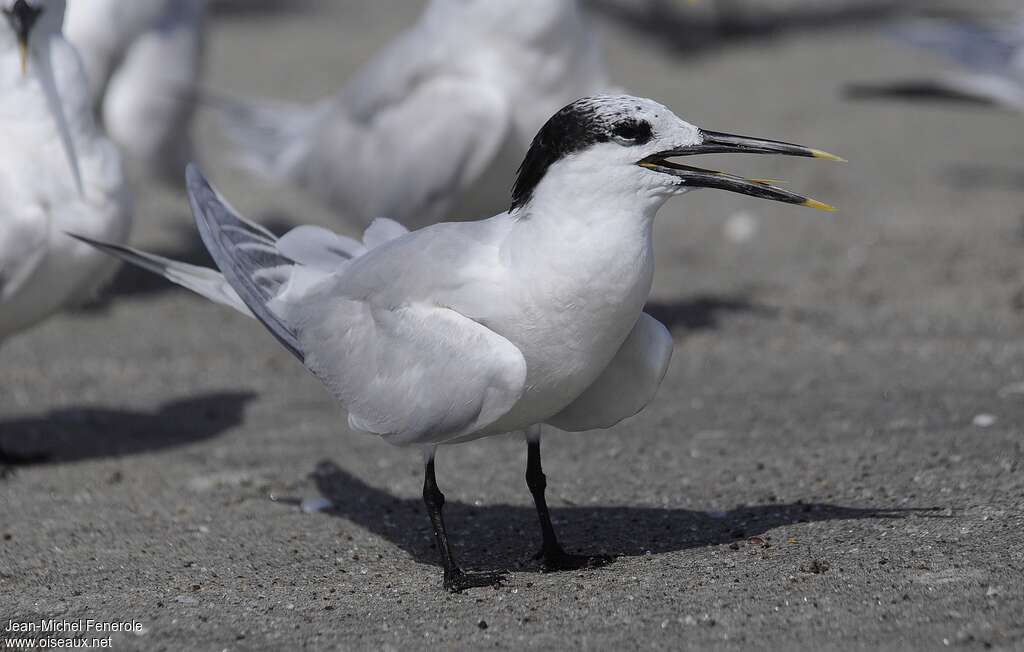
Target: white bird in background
pixel 144 59
pixel 992 56
pixel 431 112
pixel 57 171
pixel 465 330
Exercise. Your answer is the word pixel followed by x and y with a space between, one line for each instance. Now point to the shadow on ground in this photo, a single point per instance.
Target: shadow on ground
pixel 502 536
pixel 922 91
pixel 704 311
pixel 74 434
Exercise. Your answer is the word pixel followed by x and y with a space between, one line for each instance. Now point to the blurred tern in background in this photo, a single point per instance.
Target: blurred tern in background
pixel 57 171
pixel 991 54
pixel 431 112
pixel 144 59
pixel 465 330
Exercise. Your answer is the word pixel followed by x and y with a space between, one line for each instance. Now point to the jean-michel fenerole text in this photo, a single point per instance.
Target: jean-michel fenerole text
pixel 64 626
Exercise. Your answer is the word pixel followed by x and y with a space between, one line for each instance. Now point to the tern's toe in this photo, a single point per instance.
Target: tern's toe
pixel 560 560
pixel 458 580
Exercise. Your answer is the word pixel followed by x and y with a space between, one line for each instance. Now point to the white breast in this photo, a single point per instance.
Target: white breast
pixel 575 294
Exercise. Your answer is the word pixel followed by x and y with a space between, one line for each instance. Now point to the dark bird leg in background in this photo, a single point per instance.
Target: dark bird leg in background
pixel 552 556
pixel 455 579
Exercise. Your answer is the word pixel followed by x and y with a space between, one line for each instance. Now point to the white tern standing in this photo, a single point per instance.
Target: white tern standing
pixel 469 329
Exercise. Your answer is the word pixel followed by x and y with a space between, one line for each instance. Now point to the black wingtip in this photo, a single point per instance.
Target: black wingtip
pixel 78 237
pixel 89 241
pixel 212 214
pixel 119 251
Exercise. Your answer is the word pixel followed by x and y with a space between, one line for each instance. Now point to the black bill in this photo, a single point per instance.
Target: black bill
pixel 719 143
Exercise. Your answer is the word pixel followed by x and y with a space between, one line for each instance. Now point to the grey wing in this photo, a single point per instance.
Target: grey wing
pixel 307 255
pixel 247 255
pixel 201 280
pixel 627 385
pixel 413 374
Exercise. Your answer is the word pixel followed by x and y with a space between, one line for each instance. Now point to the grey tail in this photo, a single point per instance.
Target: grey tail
pixel 246 253
pixel 201 280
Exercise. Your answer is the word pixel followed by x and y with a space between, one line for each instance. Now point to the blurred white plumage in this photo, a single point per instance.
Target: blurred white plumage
pixel 57 172
pixel 144 59
pixel 429 114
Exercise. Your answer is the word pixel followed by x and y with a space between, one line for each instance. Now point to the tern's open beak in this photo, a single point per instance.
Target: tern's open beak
pixel 719 143
pixel 22 17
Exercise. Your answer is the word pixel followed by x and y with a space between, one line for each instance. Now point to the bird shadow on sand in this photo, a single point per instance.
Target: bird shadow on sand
pixel 705 311
pixel 692 32
pixel 74 434
pixel 504 537
pixel 914 91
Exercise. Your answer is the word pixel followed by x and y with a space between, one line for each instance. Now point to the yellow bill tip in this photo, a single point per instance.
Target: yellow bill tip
pixel 826 156
pixel 819 206
pixel 23 51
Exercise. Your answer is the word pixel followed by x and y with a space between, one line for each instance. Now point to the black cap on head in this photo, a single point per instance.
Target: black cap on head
pixel 583 123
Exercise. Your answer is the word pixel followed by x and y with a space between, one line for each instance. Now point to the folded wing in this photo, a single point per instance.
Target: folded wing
pixel 376 358
pixel 414 374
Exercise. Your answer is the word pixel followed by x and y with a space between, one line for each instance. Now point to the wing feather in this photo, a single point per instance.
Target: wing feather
pixel 244 252
pixel 413 374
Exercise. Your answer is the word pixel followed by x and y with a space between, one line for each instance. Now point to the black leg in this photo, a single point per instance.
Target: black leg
pixel 552 556
pixel 455 579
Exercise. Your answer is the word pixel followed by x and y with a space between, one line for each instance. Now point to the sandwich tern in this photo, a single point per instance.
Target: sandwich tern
pixel 992 56
pixel 463 330
pixel 58 171
pixel 471 78
pixel 144 59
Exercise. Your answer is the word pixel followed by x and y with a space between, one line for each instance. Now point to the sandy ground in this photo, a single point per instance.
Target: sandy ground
pixel 834 460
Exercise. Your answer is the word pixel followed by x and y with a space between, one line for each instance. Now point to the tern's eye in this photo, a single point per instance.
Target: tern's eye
pixel 632 132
